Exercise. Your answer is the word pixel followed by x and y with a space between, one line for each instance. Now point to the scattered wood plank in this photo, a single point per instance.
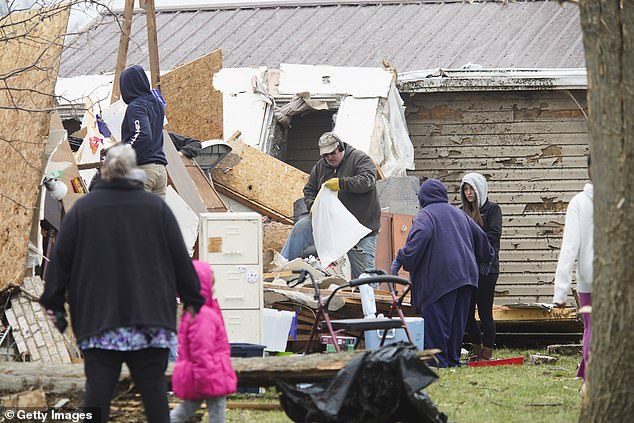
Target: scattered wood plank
pixel 260 181
pixel 213 202
pixel 534 314
pixel 33 399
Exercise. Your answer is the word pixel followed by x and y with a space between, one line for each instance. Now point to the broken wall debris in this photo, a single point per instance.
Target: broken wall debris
pixel 241 99
pixel 36 337
pixel 370 113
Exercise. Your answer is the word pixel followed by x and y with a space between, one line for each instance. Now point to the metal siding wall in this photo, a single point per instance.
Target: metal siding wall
pixel 531 146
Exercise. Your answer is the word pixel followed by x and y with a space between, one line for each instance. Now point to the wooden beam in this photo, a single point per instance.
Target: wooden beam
pixel 122 55
pixel 256 371
pixel 152 44
pixel 212 200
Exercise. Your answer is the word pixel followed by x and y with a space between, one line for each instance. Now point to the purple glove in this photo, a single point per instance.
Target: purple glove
pixel 396 266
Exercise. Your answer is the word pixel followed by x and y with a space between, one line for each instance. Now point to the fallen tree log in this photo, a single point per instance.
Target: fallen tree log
pixel 256 371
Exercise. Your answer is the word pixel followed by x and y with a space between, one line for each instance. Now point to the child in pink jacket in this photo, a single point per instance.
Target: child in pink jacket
pixel 203 368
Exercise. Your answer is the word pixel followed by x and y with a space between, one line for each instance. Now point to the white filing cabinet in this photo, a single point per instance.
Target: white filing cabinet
pixel 232 244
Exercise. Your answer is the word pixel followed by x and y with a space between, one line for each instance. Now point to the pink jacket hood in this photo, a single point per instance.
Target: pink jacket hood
pixel 206 278
pixel 203 367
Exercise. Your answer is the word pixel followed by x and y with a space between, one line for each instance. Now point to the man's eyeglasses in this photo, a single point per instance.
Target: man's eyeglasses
pixel 329 154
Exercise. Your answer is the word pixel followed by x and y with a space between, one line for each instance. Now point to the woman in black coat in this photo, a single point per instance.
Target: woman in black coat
pixel 473 193
pixel 121 261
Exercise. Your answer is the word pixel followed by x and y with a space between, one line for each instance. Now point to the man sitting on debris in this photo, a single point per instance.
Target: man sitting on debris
pixel 142 127
pixel 351 173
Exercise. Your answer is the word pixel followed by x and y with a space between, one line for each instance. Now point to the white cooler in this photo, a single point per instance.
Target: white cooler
pixel 416 329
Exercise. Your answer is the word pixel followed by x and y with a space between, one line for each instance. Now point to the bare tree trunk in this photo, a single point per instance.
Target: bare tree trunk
pixel 607 30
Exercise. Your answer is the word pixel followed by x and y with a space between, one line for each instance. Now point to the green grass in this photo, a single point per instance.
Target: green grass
pixel 543 393
pixel 534 394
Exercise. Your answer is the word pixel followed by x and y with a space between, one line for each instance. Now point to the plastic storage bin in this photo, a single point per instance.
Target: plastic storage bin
pixel 416 329
pixel 247 350
pixel 276 328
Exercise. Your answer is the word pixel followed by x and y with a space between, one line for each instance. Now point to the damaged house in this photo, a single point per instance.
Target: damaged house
pixel 428 89
pixel 493 87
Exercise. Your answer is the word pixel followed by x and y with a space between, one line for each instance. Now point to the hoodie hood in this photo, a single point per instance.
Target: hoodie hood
pixel 479 184
pixel 134 83
pixel 206 278
pixel 432 191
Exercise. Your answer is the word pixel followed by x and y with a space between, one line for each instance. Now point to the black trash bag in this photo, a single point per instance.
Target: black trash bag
pixel 384 385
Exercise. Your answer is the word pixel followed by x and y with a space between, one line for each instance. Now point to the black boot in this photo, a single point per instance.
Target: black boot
pixel 486 353
pixel 476 351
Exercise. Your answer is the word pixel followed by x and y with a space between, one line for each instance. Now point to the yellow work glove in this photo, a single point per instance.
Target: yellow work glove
pixel 333 184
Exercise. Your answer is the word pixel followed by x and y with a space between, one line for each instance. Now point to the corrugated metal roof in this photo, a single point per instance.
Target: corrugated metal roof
pixel 411 36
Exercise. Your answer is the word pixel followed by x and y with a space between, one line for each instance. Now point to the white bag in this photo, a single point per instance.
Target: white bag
pixel 335 229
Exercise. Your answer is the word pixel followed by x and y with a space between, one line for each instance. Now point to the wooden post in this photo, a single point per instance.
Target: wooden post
pixel 152 44
pixel 123 48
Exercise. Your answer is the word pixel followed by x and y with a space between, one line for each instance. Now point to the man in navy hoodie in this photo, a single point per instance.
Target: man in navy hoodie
pixel 444 253
pixel 142 127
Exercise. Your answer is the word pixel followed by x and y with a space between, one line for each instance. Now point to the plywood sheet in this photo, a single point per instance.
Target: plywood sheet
pixel 194 107
pixel 31 49
pixel 260 181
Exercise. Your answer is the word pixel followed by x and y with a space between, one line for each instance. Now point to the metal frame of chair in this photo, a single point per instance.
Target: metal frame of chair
pixel 324 324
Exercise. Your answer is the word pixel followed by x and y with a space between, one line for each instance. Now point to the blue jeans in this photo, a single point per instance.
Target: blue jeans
pixel 361 256
pixel 299 239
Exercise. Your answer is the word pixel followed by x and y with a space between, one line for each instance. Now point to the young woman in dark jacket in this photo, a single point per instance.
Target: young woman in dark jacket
pixel 473 193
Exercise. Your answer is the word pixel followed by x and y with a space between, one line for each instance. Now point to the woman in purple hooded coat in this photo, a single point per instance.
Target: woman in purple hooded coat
pixel 444 254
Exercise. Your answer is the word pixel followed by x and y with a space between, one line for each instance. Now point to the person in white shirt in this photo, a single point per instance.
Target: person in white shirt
pixel 577 246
